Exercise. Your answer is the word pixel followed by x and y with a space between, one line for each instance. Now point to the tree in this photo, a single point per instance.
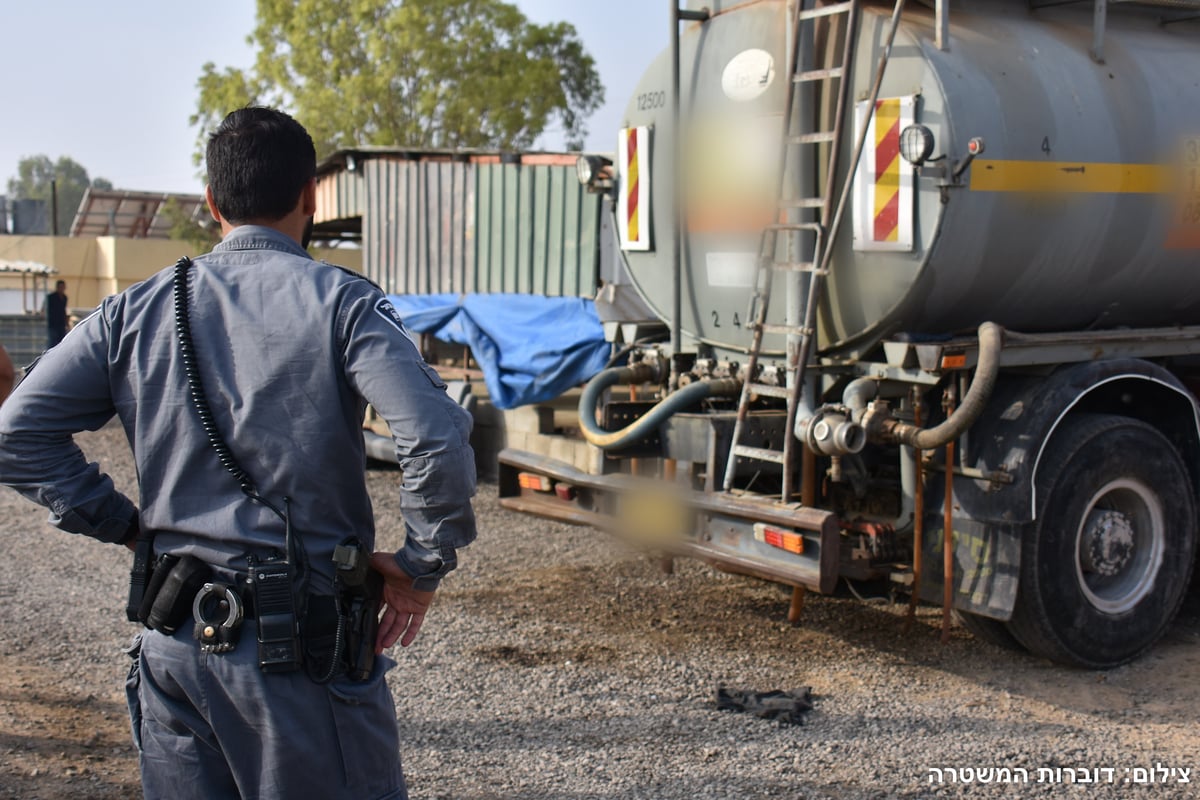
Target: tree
pixel 34 174
pixel 201 235
pixel 417 73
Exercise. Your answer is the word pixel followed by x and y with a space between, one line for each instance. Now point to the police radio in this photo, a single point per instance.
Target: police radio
pixel 275 609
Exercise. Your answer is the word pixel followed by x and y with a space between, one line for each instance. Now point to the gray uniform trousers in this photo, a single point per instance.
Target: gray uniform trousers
pixel 211 726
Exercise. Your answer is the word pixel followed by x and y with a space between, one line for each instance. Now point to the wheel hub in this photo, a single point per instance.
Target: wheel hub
pixel 1108 542
pixel 1119 545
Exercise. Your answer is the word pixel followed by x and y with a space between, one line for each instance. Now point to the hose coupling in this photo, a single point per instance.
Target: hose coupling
pixel 831 432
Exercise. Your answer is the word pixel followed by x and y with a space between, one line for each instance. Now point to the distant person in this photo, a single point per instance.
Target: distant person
pixel 56 314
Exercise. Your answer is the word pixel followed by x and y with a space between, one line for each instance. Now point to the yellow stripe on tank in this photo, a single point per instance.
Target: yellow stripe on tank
pixel 992 175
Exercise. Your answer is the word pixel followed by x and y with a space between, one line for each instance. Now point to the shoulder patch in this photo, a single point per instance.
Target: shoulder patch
pixel 389 313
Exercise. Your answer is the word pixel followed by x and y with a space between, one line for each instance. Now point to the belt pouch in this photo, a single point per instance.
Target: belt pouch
pixel 172 604
pixel 320 629
pixel 158 575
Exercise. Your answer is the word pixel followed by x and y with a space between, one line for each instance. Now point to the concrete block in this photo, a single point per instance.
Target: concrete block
pixel 530 419
pixel 563 449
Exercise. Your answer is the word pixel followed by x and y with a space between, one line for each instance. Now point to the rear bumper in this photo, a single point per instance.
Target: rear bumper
pixel 716 527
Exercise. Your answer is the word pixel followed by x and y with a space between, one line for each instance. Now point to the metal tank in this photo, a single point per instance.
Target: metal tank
pixel 1076 215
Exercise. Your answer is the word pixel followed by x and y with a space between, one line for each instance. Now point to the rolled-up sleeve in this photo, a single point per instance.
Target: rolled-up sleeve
pixel 431 432
pixel 65 392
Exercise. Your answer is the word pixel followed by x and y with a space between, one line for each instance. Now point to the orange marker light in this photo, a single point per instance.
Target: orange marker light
pixel 779 537
pixel 954 362
pixel 538 483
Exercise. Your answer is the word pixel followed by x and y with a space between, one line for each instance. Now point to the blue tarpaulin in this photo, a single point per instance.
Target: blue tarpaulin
pixel 530 348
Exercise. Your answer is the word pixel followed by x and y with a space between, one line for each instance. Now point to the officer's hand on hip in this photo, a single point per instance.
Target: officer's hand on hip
pixel 403 606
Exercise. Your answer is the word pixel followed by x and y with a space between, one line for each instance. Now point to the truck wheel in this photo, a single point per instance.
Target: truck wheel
pixel 992 631
pixel 1105 567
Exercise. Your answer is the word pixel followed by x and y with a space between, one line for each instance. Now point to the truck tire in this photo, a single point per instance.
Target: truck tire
pixel 1106 565
pixel 989 630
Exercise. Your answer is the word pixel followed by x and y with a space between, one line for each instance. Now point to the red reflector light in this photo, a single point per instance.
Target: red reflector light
pixel 779 537
pixel 565 491
pixel 529 480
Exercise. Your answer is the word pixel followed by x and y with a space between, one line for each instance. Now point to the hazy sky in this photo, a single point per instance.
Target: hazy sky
pixel 111 84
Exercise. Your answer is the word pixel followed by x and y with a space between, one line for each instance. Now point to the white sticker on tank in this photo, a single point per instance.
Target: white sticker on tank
pixel 731 270
pixel 748 75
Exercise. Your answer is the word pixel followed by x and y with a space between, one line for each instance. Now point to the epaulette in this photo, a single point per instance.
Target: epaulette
pixel 353 274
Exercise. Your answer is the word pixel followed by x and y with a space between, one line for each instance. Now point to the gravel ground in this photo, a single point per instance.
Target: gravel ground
pixel 559 664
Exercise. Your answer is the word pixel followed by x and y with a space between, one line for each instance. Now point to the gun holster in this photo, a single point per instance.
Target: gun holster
pixel 340 630
pixel 362 607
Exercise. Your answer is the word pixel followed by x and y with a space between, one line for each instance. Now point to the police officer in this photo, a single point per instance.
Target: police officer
pixel 56 314
pixel 289 352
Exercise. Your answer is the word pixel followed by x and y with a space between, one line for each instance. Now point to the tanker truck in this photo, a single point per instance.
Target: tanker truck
pixel 905 297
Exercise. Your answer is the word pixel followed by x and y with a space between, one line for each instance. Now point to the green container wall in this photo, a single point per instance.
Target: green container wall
pixel 476 225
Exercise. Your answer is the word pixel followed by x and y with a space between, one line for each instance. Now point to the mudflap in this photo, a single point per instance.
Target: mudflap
pixel 987 564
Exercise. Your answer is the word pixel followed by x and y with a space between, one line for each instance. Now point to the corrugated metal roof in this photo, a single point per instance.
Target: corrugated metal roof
pixel 26 267
pixel 136 215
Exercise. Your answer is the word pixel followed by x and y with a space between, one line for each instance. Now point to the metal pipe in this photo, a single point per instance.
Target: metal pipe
pixel 1099 20
pixel 634 463
pixel 667 563
pixel 808 477
pixel 918 521
pixel 677 228
pixel 677 15
pixel 942 23
pixel 642 373
pixel 796 606
pixel 858 393
pixel 948 534
pixel 991 342
pixel 53 207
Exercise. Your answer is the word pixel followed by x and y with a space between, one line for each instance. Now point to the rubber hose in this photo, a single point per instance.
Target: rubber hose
pixel 991 342
pixel 673 403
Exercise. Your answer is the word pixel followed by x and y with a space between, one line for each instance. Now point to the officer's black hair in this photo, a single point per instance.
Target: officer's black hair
pixel 259 160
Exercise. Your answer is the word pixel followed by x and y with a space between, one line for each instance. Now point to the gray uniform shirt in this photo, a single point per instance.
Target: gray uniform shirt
pixel 290 350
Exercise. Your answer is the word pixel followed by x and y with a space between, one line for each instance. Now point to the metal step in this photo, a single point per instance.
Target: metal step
pixel 759 453
pixel 813 138
pixel 825 11
pixel 770 390
pixel 792 329
pixel 804 202
pixel 818 74
pixel 798 266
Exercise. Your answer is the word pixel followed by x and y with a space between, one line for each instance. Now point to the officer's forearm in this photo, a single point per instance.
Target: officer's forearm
pixel 52 471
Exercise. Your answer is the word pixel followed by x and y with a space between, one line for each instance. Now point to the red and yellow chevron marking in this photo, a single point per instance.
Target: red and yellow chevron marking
pixel 887 171
pixel 631 200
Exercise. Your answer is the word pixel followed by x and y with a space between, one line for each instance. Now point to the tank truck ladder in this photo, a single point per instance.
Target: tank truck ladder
pixel 808 23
